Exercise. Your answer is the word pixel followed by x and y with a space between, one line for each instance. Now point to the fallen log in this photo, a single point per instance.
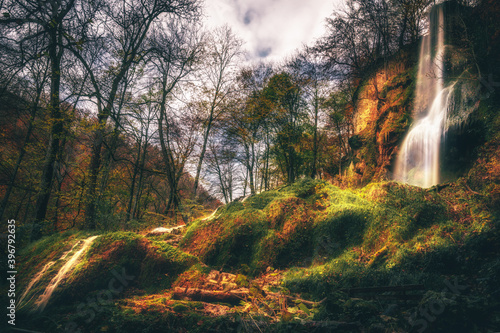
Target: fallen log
pixel 210 296
pixel 438 187
pixel 230 296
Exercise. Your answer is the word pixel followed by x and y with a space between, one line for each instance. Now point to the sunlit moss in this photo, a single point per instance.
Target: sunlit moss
pixel 150 265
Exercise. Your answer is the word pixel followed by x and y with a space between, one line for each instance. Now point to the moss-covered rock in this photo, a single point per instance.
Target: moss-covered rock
pixel 128 259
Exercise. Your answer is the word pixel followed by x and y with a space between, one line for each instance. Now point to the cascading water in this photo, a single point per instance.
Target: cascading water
pixel 69 264
pixel 418 160
pixel 42 301
pixel 33 281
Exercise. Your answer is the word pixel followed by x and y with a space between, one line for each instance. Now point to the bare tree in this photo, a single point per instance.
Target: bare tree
pixel 221 162
pixel 127 25
pixel 367 31
pixel 176 54
pixel 222 52
pixel 54 23
pixel 411 15
pixel 250 124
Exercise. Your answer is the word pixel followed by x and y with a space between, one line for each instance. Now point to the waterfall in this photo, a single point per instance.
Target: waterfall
pixel 33 281
pixel 418 159
pixel 70 263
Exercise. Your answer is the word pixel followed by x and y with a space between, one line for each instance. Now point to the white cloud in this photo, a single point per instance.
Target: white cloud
pixel 271 29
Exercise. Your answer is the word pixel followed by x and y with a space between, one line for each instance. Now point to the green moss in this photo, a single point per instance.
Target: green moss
pixel 49 248
pixel 269 229
pixel 161 237
pixel 149 265
pixel 162 264
pixel 187 320
pixel 323 223
pixel 262 200
pixel 232 207
pixel 359 309
pixel 242 281
pixel 179 307
pixel 44 254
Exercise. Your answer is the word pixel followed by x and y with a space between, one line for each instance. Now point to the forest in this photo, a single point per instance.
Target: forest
pixel 352 186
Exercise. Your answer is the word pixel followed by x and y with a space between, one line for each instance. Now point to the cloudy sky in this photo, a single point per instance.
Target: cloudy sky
pixel 271 29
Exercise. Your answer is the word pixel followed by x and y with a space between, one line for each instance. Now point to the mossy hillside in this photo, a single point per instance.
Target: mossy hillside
pixel 33 259
pixel 383 234
pixel 49 248
pixel 427 238
pixel 151 265
pixel 271 228
pixel 484 175
pixel 154 265
pixel 312 222
pixel 226 238
pixel 147 313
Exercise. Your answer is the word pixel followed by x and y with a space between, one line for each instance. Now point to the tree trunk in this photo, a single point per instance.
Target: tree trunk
pixel 234 296
pixel 18 210
pixel 202 153
pixel 42 201
pixel 268 153
pixel 95 162
pixel 135 212
pixel 315 138
pixel 250 166
pixel 28 206
pixel 291 164
pixel 245 184
pixel 173 202
pixel 170 167
pixel 132 185
pixel 220 176
pixel 403 31
pixel 102 119
pixel 60 180
pixel 95 159
pixel 108 158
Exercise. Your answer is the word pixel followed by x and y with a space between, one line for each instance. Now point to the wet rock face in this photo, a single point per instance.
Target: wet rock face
pixel 382 117
pixel 463 130
pixel 387 105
